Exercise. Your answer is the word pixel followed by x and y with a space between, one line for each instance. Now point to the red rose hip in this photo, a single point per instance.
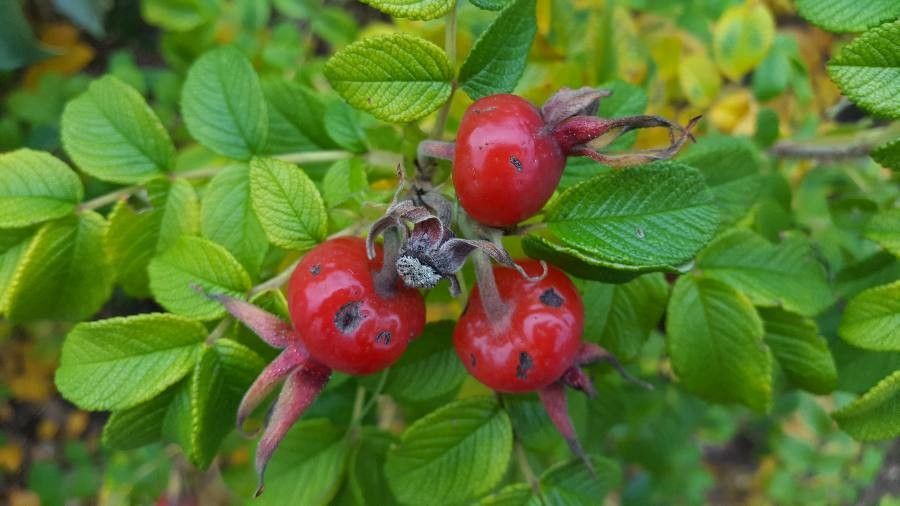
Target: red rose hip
pixel 534 343
pixel 340 317
pixel 506 163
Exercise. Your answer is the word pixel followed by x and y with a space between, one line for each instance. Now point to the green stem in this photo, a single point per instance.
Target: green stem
pixel 109 198
pixel 276 281
pixel 450 47
pixel 315 156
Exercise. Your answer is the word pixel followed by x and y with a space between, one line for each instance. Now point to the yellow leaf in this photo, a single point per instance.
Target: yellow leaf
pixel 666 53
pixel 47 429
pixel 735 113
pixel 74 54
pixel 742 38
pixel 24 498
pixel 544 12
pixel 10 457
pixel 699 78
pixel 76 423
pixel 630 54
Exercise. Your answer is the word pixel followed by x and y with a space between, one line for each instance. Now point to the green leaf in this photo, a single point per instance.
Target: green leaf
pixel 742 38
pixel 730 166
pixel 342 123
pixel 867 70
pixel 766 128
pixel 570 483
pixel 365 469
pixel 413 9
pixel 656 216
pixel 876 269
pixel 395 77
pixel 773 75
pixel 848 15
pixel 223 104
pixel 35 187
pixel 135 236
pixel 454 454
pixel 884 228
pixel 786 274
pixel 18 45
pixel 120 362
pixel 222 374
pixel 179 15
pixel 799 349
pixel 344 180
pixel 287 203
pixel 621 317
pixel 871 320
pixel 888 154
pixel 14 243
pixel 497 60
pixel 626 100
pixel 64 274
pixel 308 465
pixel 577 262
pixel 228 218
pixel 876 415
pixel 429 368
pixel 715 342
pixel 112 134
pixel 531 424
pixel 859 369
pixel 517 494
pixel 139 425
pixel 564 484
pixel 490 5
pixel 196 261
pixel 296 118
pixel 87 14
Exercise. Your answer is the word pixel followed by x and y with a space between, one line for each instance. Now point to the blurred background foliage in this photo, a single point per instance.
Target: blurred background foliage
pixel 752 68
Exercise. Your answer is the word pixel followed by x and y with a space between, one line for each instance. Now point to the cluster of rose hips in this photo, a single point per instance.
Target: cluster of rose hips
pixel 355 305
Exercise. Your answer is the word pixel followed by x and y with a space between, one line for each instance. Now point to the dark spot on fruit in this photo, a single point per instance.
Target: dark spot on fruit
pixel 315 269
pixel 525 365
pixel 383 337
pixel 551 298
pixel 348 318
pixel 516 163
pixel 472 359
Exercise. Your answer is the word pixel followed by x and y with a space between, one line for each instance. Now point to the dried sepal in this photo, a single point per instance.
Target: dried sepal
pixel 567 102
pixel 591 353
pixel 270 328
pixel 303 377
pixel 300 389
pixel 576 378
pixel 553 397
pixel 274 373
pixel 577 134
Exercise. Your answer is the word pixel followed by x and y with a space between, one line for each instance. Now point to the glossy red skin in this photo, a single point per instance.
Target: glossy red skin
pixel 495 132
pixel 550 335
pixel 331 276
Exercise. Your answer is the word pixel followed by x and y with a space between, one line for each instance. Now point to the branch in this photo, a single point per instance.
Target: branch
pixel 838 147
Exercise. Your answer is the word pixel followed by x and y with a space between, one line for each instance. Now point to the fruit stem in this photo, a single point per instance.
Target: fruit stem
pixel 386 277
pixel 450 48
pixel 440 150
pixel 494 307
pixel 527 472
